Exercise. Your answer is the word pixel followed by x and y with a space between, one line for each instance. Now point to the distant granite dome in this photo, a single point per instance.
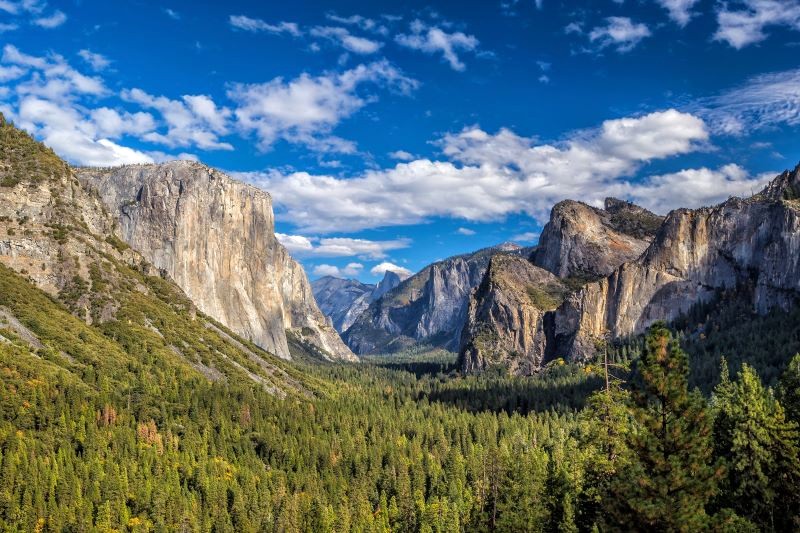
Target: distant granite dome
pixel 343 300
pixel 429 307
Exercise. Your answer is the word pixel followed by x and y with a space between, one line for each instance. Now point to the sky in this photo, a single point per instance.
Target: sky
pixel 392 135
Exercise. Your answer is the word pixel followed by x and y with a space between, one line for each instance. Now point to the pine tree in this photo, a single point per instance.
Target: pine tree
pixel 668 476
pixel 789 390
pixel 760 448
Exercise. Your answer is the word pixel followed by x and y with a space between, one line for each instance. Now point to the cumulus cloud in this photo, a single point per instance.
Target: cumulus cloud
pixel 53 101
pixel 194 120
pixel 465 231
pixel 71 135
pixel 96 61
pixel 171 13
pixel 528 236
pixel 487 176
pixel 696 187
pixel 383 268
pixel 342 37
pixel 679 10
pixel 763 101
pixel 744 22
pixel 349 271
pixel 434 40
pixel 246 23
pixel 54 20
pixel 302 246
pixel 305 110
pixel 619 32
pixel 400 155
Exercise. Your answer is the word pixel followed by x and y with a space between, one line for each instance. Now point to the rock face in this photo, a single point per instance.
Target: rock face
pixel 512 317
pixel 741 241
pixel 335 298
pixel 430 307
pixel 506 322
pixel 343 300
pixel 582 241
pixel 51 229
pixel 215 238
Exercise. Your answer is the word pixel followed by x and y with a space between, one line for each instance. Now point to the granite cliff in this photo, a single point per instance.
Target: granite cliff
pixel 507 319
pixel 753 241
pixel 511 315
pixel 429 308
pixel 582 241
pixel 215 238
pixel 78 299
pixel 343 300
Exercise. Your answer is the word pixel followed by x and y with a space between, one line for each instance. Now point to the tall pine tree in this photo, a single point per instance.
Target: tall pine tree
pixel 669 475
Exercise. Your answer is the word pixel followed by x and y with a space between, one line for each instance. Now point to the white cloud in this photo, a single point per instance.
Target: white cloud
pixel 695 187
pixel 400 155
pixel 620 32
pixel 194 120
pixel 305 110
pixel 339 246
pixel 364 23
pixel 327 270
pixel 56 19
pixel 763 101
pixel 96 61
pixel 528 236
pixel 10 73
pixel 487 177
pixel 745 23
pixel 243 22
pixel 465 231
pixel 382 268
pixel 111 123
pixel 433 40
pixel 352 43
pixel 171 13
pixel 34 9
pixel 52 77
pixel 349 271
pixel 53 101
pixel 679 10
pixel 295 243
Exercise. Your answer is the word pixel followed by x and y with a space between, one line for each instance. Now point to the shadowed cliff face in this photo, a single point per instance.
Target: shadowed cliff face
pixel 752 241
pixel 430 307
pixel 506 319
pixel 215 237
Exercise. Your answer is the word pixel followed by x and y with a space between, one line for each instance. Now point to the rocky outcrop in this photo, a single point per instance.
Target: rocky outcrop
pixel 430 307
pixel 52 231
pixel 343 300
pixel 215 238
pixel 507 323
pixel 581 241
pixel 336 296
pixel 754 241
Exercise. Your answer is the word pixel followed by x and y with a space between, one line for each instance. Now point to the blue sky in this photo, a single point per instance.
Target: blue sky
pixel 391 135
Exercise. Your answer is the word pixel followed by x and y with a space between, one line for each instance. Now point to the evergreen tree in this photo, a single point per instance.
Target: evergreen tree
pixel 760 448
pixel 669 475
pixel 789 390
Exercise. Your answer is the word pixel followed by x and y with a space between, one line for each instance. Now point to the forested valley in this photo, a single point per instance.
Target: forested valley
pixel 101 432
